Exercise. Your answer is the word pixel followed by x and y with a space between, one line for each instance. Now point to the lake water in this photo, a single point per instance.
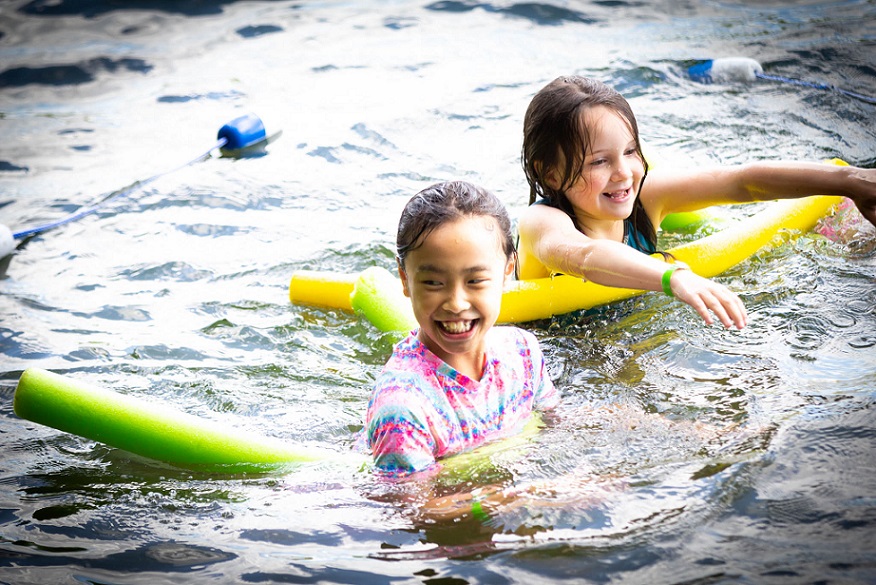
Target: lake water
pixel 682 453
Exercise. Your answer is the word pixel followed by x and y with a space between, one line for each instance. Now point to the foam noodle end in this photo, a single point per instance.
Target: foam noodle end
pixel 378 295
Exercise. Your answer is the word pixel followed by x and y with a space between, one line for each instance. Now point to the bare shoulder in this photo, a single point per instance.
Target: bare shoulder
pixel 539 228
pixel 537 218
pixel 541 224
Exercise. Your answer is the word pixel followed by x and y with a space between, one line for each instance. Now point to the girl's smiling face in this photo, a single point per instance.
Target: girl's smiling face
pixel 455 280
pixel 612 170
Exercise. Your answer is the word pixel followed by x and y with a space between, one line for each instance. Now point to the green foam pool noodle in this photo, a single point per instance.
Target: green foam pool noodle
pixel 378 295
pixel 153 430
pixel 684 220
pixel 712 219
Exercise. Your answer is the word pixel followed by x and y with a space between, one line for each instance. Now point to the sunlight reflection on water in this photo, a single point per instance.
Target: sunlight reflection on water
pixel 682 453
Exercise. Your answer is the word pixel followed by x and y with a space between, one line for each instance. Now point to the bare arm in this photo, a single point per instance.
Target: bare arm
pixel 667 191
pixel 549 237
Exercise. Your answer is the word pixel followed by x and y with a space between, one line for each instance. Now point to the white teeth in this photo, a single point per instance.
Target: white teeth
pixel 457 326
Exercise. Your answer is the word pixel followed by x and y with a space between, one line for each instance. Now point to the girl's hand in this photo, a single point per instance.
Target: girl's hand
pixel 708 297
pixel 459 505
pixel 865 198
pixel 581 487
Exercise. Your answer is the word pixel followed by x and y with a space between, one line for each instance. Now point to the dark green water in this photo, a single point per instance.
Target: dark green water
pixel 681 454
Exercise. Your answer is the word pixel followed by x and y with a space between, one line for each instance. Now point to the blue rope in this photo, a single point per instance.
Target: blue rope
pixel 816 85
pixel 116 195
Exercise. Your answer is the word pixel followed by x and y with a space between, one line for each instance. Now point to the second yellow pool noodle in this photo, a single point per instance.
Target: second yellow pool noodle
pixel 542 298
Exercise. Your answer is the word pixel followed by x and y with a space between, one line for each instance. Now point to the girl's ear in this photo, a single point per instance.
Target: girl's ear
pixel 404 277
pixel 550 175
pixel 552 180
pixel 509 267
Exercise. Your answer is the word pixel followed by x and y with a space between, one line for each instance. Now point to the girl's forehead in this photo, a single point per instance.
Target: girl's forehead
pixel 600 121
pixel 471 225
pixel 481 232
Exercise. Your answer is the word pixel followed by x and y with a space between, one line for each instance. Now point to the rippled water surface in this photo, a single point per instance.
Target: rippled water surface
pixel 681 453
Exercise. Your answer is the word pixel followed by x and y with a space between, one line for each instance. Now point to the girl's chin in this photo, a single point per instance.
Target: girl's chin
pixel 622 210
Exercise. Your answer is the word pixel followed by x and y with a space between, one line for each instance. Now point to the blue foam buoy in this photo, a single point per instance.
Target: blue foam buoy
pixel 245 132
pixel 745 69
pixel 726 69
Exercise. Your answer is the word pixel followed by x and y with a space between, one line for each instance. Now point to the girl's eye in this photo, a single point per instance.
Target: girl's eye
pixel 480 281
pixel 631 151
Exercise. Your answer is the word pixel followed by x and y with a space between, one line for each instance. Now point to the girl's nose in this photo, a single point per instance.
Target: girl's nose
pixel 622 169
pixel 457 301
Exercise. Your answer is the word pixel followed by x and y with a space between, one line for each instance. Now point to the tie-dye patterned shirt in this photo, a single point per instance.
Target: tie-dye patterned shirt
pixel 422 409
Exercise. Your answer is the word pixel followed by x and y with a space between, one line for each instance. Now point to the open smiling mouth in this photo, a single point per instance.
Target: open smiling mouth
pixel 622 194
pixel 457 327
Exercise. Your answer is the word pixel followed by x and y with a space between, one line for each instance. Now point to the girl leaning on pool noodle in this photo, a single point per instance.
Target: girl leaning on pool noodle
pixel 592 212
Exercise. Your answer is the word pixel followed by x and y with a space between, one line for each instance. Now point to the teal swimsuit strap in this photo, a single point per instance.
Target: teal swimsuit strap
pixel 632 237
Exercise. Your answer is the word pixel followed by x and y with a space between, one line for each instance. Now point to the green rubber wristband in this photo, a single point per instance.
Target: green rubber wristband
pixel 477 511
pixel 667 276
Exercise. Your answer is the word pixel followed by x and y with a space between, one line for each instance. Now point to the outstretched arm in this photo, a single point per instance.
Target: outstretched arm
pixel 549 237
pixel 666 191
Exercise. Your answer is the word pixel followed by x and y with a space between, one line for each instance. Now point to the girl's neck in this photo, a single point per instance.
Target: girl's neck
pixel 602 229
pixel 469 365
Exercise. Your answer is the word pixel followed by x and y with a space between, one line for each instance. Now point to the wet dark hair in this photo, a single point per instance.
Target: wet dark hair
pixel 445 202
pixel 553 132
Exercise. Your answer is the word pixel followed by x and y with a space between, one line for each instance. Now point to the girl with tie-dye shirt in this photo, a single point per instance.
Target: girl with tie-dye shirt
pixel 456 382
